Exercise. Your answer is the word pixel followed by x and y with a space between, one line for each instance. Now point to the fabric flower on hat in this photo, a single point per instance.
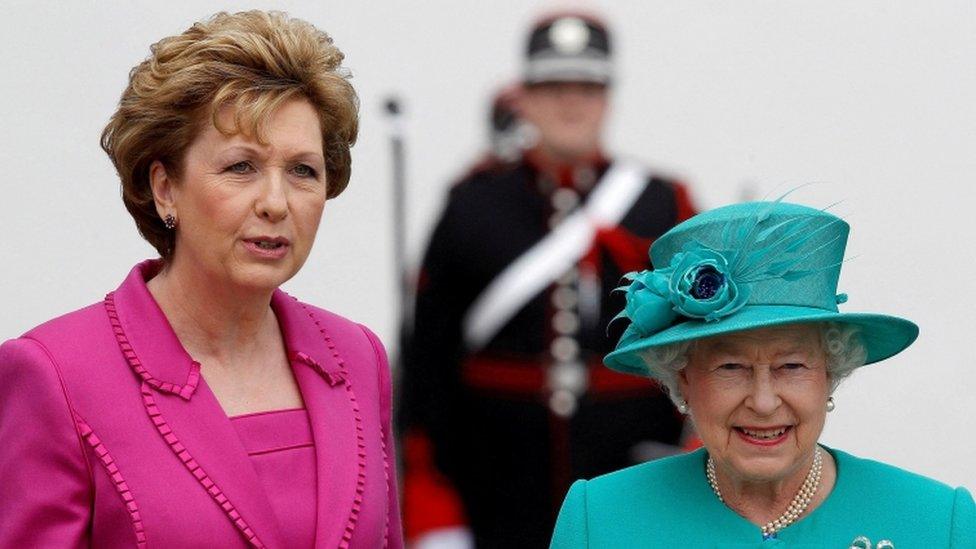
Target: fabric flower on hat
pixel 702 286
pixel 648 306
pixel 698 284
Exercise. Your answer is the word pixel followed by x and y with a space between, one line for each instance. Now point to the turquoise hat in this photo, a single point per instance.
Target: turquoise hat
pixel 741 267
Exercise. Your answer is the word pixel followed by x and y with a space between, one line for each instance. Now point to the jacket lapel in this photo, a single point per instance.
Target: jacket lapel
pixel 185 412
pixel 334 415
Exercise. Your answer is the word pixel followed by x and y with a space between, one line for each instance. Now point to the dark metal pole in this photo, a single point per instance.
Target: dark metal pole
pixel 395 113
pixel 404 317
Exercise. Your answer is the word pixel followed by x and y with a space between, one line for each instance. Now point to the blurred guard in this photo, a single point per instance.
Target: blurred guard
pixel 503 387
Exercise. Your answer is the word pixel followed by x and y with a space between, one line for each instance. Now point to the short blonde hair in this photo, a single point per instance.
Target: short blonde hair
pixel 251 61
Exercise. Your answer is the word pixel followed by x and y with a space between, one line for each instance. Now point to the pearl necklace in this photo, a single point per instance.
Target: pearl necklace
pixel 800 501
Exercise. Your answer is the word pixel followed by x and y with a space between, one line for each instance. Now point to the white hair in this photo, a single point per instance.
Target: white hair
pixel 841 343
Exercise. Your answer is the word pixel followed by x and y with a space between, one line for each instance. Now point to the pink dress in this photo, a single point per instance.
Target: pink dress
pixel 280 446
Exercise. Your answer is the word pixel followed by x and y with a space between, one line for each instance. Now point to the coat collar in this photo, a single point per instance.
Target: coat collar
pixel 155 353
pixel 146 338
pixel 191 420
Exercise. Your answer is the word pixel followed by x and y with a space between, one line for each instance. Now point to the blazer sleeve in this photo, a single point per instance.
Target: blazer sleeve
pixel 571 526
pixel 963 535
pixel 394 529
pixel 44 472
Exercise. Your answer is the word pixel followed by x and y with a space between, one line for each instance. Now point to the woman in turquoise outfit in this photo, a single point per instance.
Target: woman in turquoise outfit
pixel 740 324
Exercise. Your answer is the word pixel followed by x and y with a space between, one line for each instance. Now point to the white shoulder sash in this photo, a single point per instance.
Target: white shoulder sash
pixel 555 254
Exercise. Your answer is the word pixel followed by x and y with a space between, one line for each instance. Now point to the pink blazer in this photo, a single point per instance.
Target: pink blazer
pixel 109 437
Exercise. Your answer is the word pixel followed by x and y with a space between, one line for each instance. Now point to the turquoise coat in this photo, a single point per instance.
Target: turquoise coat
pixel 668 503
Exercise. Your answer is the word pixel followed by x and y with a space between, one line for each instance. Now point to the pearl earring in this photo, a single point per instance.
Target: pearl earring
pixel 830 404
pixel 683 407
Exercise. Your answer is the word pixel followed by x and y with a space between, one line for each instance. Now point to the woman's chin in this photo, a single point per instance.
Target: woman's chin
pixel 764 469
pixel 261 277
pixel 767 467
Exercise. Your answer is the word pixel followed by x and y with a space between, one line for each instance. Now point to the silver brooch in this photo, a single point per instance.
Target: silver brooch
pixel 863 542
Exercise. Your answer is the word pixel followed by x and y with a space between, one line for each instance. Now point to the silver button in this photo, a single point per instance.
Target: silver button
pixel 565 322
pixel 563 404
pixel 564 349
pixel 568 376
pixel 564 199
pixel 564 298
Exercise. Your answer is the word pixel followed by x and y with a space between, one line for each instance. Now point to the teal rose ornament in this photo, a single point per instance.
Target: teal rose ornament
pixel 701 285
pixel 648 306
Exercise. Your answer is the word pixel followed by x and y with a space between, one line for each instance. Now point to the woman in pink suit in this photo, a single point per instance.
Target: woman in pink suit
pixel 198 405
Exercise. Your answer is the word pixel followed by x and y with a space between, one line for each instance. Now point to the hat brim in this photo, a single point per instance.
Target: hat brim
pixel 556 69
pixel 883 335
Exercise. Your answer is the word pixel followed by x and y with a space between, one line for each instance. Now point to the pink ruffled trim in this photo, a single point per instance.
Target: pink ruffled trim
pixel 334 379
pixel 386 479
pixel 108 463
pixel 184 391
pixel 195 469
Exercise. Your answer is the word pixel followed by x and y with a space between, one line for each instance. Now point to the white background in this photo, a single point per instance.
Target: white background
pixel 876 100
